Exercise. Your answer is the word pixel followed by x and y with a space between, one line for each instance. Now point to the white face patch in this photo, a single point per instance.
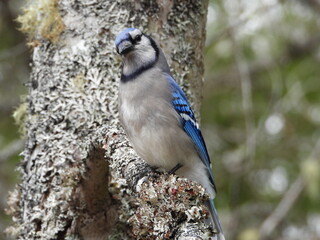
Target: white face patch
pixel 135 33
pixel 142 55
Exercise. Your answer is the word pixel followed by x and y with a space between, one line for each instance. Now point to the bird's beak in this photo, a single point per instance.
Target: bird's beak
pixel 124 47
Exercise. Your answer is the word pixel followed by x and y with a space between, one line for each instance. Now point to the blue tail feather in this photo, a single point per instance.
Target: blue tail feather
pixel 215 220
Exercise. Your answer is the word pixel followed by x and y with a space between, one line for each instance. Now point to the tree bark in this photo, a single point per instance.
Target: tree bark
pixel 68 190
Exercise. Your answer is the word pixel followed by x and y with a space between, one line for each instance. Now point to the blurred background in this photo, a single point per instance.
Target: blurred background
pixel 260 114
pixel 14 72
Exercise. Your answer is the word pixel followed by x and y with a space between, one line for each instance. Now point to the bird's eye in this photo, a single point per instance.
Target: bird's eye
pixel 137 38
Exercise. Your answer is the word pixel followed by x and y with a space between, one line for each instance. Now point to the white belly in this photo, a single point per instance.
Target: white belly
pixel 163 144
pixel 156 135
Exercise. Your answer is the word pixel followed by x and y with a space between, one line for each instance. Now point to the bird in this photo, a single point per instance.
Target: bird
pixel 157 117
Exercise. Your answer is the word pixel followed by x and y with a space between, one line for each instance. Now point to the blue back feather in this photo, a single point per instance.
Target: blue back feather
pixel 189 123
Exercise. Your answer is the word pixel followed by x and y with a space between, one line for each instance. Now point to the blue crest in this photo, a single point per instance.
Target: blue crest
pixel 123 35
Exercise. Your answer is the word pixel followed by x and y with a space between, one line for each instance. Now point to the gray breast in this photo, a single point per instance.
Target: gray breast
pixel 151 123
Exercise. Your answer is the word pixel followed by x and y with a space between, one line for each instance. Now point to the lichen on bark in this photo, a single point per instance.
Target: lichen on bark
pixel 72 118
pixel 41 19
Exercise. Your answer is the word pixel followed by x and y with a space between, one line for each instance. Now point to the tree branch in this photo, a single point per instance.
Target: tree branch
pixel 163 206
pixel 72 109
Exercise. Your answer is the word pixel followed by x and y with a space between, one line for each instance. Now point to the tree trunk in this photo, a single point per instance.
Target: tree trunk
pixel 72 121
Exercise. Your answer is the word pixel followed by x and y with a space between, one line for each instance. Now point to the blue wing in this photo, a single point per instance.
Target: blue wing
pixel 189 123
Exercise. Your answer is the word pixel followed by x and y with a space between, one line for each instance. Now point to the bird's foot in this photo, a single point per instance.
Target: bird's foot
pixel 146 174
pixel 175 168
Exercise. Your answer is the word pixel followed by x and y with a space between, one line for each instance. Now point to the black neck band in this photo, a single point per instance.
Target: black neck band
pixel 145 67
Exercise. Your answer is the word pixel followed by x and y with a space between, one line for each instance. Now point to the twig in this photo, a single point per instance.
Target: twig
pixel 283 207
pixel 246 91
pixel 287 202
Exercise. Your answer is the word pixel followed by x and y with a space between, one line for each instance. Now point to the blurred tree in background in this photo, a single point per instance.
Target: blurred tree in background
pixel 14 72
pixel 260 114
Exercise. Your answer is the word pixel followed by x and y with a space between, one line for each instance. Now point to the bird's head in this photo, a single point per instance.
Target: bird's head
pixel 132 41
pixel 138 50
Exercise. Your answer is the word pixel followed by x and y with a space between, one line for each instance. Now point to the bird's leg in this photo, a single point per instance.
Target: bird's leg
pixel 175 168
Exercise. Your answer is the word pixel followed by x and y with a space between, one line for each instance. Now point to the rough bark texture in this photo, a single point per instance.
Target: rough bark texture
pixel 72 118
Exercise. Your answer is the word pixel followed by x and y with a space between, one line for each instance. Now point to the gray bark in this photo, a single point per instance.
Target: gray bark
pixel 72 125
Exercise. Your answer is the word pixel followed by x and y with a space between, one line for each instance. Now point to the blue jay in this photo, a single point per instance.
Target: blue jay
pixel 157 116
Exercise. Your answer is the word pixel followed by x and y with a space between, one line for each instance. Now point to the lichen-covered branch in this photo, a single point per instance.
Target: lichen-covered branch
pixel 155 205
pixel 71 119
